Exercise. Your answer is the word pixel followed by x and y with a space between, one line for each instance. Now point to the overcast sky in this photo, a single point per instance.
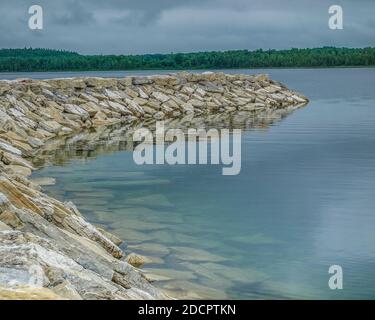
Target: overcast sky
pixel 160 26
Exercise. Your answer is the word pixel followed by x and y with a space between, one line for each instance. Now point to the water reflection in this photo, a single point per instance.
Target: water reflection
pixel 102 140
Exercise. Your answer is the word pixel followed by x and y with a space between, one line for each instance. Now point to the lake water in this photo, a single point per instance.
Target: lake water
pixel 304 200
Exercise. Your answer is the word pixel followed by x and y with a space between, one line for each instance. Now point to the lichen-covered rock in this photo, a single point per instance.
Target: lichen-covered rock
pixel 136 260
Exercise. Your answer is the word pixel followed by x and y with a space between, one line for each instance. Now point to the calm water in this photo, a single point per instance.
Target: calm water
pixel 304 200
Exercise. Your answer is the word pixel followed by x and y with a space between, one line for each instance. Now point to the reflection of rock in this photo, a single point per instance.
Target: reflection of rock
pixel 49 121
pixel 115 138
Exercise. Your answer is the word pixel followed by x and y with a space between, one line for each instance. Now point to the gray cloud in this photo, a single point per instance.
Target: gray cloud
pixel 151 26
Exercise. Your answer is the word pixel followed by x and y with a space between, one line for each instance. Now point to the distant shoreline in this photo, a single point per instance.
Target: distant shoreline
pixel 197 69
pixel 47 60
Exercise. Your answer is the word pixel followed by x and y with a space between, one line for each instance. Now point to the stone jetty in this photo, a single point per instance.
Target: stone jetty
pixel 47 249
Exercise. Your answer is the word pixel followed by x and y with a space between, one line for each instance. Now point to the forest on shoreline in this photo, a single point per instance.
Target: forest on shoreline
pixel 29 59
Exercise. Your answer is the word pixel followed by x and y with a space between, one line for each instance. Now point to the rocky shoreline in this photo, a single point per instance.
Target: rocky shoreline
pixel 47 249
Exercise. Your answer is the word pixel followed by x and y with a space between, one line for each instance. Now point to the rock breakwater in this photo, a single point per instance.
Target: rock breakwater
pixel 47 249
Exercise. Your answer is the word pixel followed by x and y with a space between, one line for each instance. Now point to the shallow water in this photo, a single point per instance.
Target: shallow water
pixel 304 200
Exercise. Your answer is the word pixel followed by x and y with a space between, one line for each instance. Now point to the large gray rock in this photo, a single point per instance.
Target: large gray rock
pixel 76 110
pixel 7 147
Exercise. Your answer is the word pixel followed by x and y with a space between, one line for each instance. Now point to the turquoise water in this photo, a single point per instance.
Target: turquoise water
pixel 304 200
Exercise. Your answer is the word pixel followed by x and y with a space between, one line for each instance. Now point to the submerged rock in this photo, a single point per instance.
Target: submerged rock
pixel 44 181
pixel 136 260
pixel 194 254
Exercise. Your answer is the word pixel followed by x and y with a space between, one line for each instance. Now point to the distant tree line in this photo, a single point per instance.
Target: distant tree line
pixel 28 59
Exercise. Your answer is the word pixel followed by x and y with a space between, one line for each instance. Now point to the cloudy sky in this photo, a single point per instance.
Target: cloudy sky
pixel 160 26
